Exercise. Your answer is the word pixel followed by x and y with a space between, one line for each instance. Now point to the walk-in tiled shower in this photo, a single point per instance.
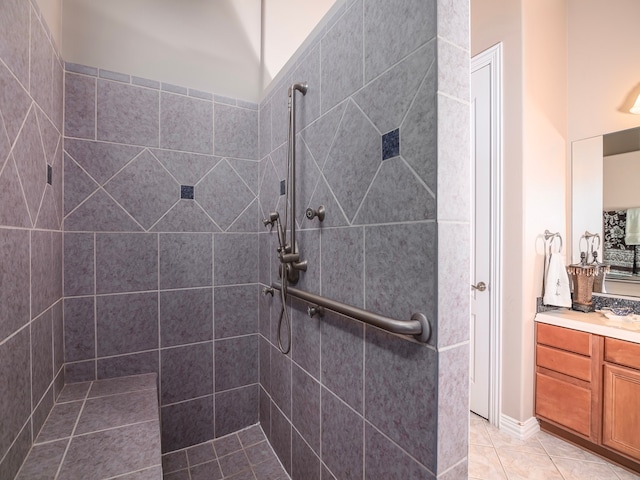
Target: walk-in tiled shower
pixel 166 255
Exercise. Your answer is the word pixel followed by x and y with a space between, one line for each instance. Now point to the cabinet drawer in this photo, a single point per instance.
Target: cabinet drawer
pixel 622 353
pixel 563 403
pixel 564 338
pixel 561 361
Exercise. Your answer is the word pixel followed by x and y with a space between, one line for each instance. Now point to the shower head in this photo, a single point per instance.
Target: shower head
pixel 301 87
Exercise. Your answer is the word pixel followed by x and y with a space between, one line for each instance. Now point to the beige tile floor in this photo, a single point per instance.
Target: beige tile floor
pixel 495 455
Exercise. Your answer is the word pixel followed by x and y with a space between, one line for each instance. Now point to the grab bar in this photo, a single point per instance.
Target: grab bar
pixel 418 326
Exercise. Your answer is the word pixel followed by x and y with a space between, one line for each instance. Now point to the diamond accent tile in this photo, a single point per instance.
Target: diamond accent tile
pixel 78 185
pixel 145 189
pixel 186 168
pixel 31 163
pixel 99 213
pixel 334 216
pixel 391 144
pixel 396 195
pixel 353 159
pixel 101 160
pixel 14 102
pixel 248 220
pixel 13 208
pixel 186 192
pixel 223 195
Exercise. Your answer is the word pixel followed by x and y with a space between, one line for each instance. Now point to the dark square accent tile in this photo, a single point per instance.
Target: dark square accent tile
pixel 49 174
pixel 174 461
pixel 126 323
pixel 227 444
pixel 206 471
pixel 283 188
pixel 236 409
pixel 201 453
pixel 391 144
pixel 234 463
pixel 179 430
pixel 186 316
pixel 187 372
pixel 113 452
pixel 186 191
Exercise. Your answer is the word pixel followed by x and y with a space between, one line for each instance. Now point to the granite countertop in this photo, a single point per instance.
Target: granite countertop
pixel 593 322
pixel 98 430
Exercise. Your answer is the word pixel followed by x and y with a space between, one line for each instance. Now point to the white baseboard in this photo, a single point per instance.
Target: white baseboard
pixel 520 430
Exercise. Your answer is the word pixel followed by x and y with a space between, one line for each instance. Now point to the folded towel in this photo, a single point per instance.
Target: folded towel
pixel 557 290
pixel 632 231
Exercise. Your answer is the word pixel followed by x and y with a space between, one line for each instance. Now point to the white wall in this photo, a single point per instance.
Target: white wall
pixel 208 45
pixel 52 12
pixel 535 123
pixel 604 71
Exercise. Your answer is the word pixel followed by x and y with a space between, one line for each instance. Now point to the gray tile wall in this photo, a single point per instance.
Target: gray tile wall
pixel 31 331
pixel 154 282
pixel 355 402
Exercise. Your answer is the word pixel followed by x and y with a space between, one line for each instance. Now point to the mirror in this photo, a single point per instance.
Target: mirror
pixel 604 177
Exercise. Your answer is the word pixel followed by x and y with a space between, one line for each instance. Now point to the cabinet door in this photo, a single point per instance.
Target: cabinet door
pixel 621 422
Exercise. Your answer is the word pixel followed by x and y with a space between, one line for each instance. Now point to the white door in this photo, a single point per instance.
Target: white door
pixel 480 334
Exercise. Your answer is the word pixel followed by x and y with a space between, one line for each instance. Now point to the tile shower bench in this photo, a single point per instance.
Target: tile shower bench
pixel 97 430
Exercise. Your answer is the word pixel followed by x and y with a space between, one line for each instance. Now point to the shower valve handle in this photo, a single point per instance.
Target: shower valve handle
pixel 311 213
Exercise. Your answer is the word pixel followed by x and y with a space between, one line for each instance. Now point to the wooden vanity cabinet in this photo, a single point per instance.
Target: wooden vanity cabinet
pixel 621 397
pixel 588 391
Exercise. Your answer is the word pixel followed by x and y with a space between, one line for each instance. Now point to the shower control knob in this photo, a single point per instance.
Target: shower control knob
pixel 311 213
pixel 315 310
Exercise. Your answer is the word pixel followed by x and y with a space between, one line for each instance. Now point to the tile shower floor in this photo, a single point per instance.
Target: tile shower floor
pixel 244 455
pixel 495 455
